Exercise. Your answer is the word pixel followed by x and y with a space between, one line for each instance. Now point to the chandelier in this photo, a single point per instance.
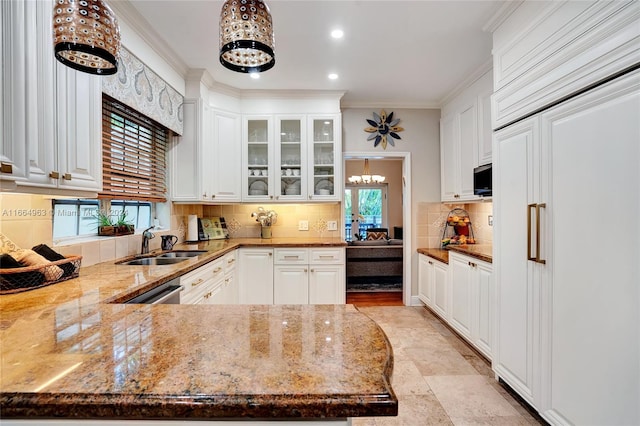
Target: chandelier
pixel 366 176
pixel 246 36
pixel 86 36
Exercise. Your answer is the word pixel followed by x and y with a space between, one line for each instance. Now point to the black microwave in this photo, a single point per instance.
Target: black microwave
pixel 482 181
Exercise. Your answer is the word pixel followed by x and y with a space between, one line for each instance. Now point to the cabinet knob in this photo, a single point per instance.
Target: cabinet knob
pixel 430 263
pixel 204 195
pixel 311 270
pixel 54 175
pixel 213 196
pixel 6 168
pixel 66 176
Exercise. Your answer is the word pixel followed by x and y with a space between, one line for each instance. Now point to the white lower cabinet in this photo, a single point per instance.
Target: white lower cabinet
pixel 471 297
pixel 432 287
pixel 201 284
pixel 256 275
pixel 461 293
pixel 315 276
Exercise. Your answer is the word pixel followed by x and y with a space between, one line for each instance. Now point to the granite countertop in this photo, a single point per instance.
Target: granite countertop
pixel 479 251
pixel 68 352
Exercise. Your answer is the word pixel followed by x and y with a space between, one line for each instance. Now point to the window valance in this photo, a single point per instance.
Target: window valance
pixel 138 87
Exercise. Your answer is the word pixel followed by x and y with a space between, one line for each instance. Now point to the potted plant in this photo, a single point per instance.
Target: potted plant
pixel 108 227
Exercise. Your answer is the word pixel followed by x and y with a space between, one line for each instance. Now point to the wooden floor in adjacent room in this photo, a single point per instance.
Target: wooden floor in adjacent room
pixel 376 298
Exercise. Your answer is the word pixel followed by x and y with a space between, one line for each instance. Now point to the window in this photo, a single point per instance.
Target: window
pixel 365 207
pixel 133 154
pixel 133 173
pixel 78 217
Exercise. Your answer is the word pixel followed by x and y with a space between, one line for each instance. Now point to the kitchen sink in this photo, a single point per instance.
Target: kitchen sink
pixel 181 253
pixel 154 261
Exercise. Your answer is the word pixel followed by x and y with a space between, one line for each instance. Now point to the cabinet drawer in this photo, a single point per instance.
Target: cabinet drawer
pixel 229 260
pixel 326 255
pixel 291 255
pixel 199 277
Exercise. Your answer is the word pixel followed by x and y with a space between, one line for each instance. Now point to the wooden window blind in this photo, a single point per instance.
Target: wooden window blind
pixel 133 154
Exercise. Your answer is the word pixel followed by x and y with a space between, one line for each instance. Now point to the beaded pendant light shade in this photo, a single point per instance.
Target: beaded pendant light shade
pixel 86 36
pixel 246 36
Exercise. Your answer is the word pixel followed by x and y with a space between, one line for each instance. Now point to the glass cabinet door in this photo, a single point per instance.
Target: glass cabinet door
pixel 290 159
pixel 324 152
pixel 257 155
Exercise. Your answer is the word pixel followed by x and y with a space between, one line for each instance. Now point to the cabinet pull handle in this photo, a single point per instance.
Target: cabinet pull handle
pixel 66 176
pixel 326 256
pixel 530 207
pixel 230 261
pixel 538 207
pixel 6 168
pixel 291 257
pixel 54 175
pixel 200 281
pixel 218 269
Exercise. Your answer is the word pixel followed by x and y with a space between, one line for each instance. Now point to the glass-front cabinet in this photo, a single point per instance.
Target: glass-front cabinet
pixel 258 171
pixel 325 149
pixel 292 158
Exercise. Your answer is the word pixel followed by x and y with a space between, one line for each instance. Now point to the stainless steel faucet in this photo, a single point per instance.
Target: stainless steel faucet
pixel 146 236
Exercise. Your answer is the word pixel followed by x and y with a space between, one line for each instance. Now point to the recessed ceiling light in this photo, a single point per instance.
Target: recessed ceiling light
pixel 337 33
pixel 333 76
pixel 255 75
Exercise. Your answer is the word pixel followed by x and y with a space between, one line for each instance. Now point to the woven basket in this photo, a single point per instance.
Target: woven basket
pixel 15 280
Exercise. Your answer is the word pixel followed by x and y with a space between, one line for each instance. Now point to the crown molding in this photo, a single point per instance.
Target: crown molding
pixel 291 94
pixel 468 81
pixel 393 104
pixel 507 8
pixel 125 11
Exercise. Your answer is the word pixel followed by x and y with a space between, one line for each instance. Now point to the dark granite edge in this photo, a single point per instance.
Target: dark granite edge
pixel 86 405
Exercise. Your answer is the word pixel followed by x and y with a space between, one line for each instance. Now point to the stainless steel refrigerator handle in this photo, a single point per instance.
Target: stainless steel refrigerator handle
pixel 167 295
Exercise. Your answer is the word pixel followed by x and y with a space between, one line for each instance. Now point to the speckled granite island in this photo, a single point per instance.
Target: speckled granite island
pixel 68 354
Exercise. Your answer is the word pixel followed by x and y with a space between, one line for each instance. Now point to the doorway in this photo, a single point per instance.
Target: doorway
pixel 395 216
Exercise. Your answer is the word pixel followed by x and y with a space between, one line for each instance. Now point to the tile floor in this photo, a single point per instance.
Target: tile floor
pixel 437 378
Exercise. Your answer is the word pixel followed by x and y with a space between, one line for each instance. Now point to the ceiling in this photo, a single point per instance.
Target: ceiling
pixel 410 54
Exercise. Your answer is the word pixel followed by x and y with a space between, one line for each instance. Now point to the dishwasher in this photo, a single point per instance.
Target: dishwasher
pixel 167 293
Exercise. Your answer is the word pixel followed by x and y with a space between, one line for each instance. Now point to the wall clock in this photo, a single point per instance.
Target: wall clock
pixel 383 129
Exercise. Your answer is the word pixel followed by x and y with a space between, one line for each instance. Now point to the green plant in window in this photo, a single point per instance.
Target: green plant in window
pixel 107 226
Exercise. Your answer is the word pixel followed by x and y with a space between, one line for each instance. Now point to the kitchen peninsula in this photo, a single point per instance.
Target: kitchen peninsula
pixel 69 351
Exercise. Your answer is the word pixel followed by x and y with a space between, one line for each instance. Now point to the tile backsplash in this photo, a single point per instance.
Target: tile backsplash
pixel 431 219
pixel 27 220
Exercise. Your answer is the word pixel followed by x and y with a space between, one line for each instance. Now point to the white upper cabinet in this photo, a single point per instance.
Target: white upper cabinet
pixel 325 166
pixel 291 157
pixel 13 88
pixel 258 171
pixel 51 114
pixel 204 161
pixel 465 139
pixel 223 162
pixel 546 51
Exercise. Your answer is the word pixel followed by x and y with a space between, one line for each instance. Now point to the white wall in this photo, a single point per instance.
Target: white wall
pixel 421 137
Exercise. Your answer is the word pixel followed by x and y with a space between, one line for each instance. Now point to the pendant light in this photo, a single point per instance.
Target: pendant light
pixel 246 36
pixel 366 176
pixel 86 36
